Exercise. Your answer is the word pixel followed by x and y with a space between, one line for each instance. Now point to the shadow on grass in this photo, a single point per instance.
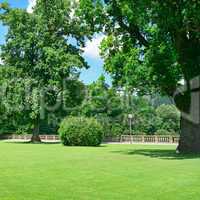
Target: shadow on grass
pixel 28 142
pixel 166 154
pixel 48 143
pixel 95 147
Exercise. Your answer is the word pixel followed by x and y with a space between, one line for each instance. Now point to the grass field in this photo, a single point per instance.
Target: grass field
pixel 135 172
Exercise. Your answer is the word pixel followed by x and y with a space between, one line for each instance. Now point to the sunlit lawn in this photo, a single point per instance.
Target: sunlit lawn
pixel 135 172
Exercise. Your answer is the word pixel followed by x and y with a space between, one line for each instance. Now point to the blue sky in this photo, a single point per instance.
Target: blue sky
pixel 91 51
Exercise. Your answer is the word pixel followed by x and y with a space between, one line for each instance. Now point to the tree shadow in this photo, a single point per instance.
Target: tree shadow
pixel 95 147
pixel 56 142
pixel 167 154
pixel 17 142
pixel 50 143
pixel 29 142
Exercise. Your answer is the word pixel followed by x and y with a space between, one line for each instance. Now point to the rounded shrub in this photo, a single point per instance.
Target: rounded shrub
pixel 80 131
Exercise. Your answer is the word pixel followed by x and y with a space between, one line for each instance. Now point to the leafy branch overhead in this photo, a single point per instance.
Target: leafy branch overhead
pixel 165 35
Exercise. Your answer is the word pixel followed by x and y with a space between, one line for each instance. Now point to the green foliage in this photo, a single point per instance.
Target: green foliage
pixel 168 112
pixel 13 100
pixel 147 119
pixel 150 45
pixel 143 114
pixel 163 132
pixel 169 118
pixel 104 104
pixel 116 129
pixel 45 63
pixel 101 100
pixel 80 131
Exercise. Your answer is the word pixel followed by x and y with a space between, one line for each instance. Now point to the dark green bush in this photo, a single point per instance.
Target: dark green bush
pixel 164 132
pixel 168 118
pixel 116 129
pixel 128 132
pixel 80 131
pixel 139 133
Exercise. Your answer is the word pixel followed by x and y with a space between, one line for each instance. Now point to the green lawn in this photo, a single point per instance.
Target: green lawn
pixel 135 172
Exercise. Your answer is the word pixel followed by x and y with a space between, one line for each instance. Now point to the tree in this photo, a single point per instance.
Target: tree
pixel 38 46
pixel 11 105
pixel 103 103
pixel 169 117
pixel 152 45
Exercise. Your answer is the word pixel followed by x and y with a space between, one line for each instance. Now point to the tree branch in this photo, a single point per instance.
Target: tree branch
pixel 132 28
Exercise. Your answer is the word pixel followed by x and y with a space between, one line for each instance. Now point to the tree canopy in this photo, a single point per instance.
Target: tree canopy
pixel 39 48
pixel 152 45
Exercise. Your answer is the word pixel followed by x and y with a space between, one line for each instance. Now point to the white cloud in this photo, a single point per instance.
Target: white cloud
pixel 31 5
pixel 92 47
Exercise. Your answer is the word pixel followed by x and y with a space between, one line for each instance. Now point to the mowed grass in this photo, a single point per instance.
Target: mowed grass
pixel 135 172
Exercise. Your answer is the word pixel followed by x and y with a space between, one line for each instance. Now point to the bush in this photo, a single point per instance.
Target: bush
pixel 168 118
pixel 168 112
pixel 164 132
pixel 127 132
pixel 80 131
pixel 116 129
pixel 139 133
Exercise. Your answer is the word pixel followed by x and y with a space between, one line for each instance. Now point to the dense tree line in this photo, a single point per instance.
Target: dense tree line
pixel 112 106
pixel 109 105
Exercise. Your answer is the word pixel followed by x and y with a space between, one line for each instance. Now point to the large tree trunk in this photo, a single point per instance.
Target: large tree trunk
pixel 190 137
pixel 188 101
pixel 36 130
